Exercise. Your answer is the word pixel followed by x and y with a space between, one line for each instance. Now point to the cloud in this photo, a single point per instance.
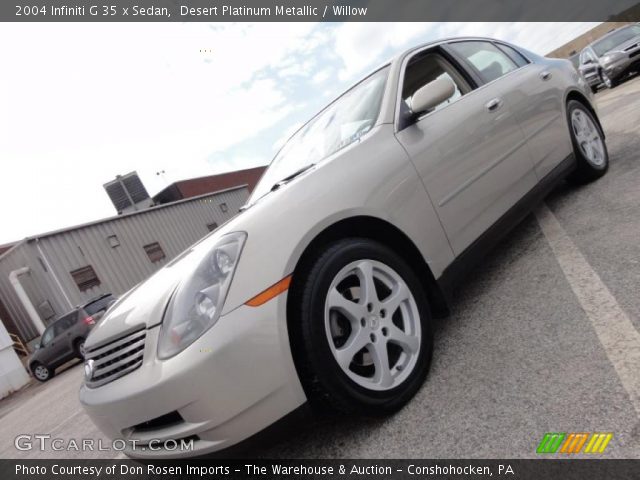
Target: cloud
pixel 360 45
pixel 98 100
pixel 84 102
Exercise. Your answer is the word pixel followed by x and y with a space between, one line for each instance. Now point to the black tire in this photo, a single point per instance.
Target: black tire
pixel 78 346
pixel 607 81
pixel 325 383
pixel 586 171
pixel 42 372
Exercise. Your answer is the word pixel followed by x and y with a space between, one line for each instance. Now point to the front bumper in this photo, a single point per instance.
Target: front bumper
pixel 622 66
pixel 235 380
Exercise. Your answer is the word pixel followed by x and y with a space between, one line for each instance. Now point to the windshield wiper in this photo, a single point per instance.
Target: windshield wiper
pixel 276 186
pixel 288 178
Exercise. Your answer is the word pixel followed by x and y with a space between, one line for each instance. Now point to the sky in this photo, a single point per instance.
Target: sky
pixel 82 103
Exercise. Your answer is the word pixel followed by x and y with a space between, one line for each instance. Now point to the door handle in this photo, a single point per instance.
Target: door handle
pixel 493 105
pixel 546 75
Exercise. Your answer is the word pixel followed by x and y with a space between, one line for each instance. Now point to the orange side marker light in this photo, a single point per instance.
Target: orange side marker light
pixel 271 292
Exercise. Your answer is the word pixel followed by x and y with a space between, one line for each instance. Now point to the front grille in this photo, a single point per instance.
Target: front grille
pixel 115 359
pixel 634 54
pixel 631 47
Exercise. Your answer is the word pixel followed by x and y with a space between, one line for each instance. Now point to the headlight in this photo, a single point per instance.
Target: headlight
pixel 196 305
pixel 611 57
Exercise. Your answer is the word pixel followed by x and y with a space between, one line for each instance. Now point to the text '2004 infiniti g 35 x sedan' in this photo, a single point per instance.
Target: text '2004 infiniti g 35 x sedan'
pixel 324 287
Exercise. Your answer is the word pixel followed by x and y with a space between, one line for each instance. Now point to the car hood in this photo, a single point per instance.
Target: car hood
pixel 144 305
pixel 624 45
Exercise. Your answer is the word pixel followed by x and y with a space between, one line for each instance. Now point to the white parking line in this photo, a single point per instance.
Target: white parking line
pixel 621 341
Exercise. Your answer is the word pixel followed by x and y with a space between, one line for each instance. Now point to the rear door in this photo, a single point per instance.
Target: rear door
pixel 62 343
pixel 46 353
pixel 470 152
pixel 536 93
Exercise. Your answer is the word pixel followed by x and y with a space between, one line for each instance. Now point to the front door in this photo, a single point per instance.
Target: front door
pixel 470 151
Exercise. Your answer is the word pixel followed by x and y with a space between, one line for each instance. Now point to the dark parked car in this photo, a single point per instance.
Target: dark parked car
pixel 63 340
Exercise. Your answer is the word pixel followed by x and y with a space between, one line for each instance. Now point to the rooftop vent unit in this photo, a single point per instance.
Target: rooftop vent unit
pixel 127 193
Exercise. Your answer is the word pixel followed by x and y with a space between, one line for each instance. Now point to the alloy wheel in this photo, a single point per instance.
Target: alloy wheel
pixel 41 372
pixel 372 325
pixel 588 138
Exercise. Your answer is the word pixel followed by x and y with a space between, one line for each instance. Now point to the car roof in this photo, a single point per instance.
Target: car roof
pixel 95 299
pixel 435 43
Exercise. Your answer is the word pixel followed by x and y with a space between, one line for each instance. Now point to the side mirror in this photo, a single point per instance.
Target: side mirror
pixel 432 94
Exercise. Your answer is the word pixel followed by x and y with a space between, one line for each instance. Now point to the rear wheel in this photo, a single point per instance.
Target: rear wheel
pixel 589 146
pixel 79 349
pixel 41 372
pixel 364 333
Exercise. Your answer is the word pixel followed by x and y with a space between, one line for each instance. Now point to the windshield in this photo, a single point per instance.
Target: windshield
pixel 340 124
pixel 616 38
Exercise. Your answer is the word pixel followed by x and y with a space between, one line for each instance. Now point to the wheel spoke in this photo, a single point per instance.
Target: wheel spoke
pixel 380 356
pixel 356 342
pixel 399 294
pixel 409 343
pixel 349 309
pixel 584 123
pixel 368 292
pixel 363 351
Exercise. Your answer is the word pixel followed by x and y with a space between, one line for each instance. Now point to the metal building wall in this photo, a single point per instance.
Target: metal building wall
pixel 35 284
pixel 51 257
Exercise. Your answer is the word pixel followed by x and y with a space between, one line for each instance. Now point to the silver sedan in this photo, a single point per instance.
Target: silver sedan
pixel 324 288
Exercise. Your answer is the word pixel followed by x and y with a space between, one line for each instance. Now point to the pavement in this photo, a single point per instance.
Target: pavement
pixel 542 338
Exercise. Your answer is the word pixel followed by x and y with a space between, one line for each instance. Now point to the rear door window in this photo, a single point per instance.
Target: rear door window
pixel 489 62
pixel 47 336
pixel 65 323
pixel 59 328
pixel 513 54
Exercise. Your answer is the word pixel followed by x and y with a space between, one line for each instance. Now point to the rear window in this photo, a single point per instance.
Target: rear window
pixel 99 305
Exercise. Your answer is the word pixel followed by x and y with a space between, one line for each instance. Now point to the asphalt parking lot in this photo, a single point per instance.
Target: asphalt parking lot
pixel 535 344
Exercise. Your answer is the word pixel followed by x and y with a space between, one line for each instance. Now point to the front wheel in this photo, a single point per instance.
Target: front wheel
pixel 364 329
pixel 588 142
pixel 607 80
